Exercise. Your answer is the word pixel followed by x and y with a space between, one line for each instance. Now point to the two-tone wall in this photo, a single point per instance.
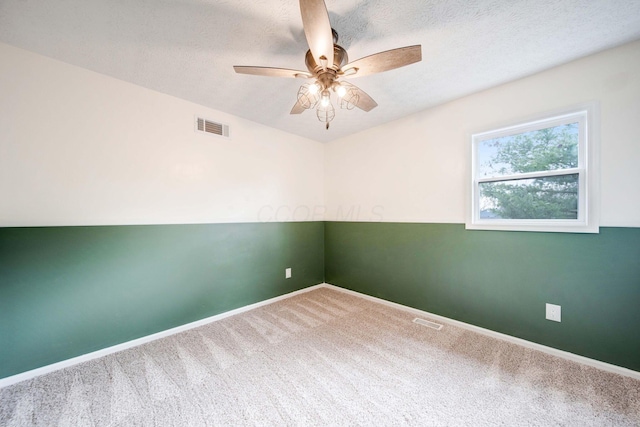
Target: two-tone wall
pixel 396 201
pixel 119 220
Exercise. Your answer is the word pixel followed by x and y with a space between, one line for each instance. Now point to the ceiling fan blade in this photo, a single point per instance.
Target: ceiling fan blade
pixel 297 108
pixel 384 61
pixel 365 102
pixel 317 29
pixel 271 72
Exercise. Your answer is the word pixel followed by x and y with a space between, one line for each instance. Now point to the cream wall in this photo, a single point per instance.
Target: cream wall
pixel 414 169
pixel 81 148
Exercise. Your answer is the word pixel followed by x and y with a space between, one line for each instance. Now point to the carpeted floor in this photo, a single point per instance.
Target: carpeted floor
pixel 324 358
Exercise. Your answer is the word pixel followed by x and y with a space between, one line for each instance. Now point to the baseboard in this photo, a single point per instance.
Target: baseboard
pixel 4 382
pixel 549 350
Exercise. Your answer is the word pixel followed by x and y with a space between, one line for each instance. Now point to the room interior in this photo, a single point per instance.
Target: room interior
pixel 119 220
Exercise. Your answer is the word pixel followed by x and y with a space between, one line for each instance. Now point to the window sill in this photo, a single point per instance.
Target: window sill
pixel 546 227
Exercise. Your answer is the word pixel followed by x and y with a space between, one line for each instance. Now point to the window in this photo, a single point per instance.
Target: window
pixel 536 176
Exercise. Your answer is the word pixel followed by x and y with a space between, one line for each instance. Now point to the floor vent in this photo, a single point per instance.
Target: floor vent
pixel 209 126
pixel 427 323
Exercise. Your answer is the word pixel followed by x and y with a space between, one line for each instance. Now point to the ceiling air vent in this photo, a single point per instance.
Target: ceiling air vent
pixel 209 126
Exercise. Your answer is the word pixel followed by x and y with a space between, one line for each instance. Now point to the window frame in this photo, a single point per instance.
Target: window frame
pixel 587 170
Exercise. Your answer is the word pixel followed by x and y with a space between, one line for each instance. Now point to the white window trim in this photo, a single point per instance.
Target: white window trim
pixel 588 170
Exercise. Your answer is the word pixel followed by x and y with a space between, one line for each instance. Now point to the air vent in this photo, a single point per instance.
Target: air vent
pixel 428 323
pixel 209 126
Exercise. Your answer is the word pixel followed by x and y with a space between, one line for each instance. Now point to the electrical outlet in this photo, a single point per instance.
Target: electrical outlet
pixel 554 312
pixel 287 273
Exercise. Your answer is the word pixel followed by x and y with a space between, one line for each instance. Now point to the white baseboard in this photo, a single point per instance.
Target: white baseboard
pixel 4 382
pixel 550 350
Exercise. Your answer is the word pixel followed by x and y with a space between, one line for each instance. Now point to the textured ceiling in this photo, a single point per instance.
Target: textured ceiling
pixel 186 48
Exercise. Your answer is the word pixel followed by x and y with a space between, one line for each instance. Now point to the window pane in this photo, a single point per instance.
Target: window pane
pixel 554 197
pixel 553 148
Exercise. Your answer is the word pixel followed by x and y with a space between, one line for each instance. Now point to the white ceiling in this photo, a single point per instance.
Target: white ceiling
pixel 186 48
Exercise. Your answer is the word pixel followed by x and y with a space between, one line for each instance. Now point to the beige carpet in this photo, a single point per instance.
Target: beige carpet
pixel 324 358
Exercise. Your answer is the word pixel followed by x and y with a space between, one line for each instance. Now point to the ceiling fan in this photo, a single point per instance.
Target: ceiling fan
pixel 328 63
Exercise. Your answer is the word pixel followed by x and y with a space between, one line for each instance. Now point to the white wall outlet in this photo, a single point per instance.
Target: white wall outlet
pixel 554 312
pixel 287 273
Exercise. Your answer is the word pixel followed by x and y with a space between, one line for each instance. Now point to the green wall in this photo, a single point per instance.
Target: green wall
pixel 67 291
pixel 502 280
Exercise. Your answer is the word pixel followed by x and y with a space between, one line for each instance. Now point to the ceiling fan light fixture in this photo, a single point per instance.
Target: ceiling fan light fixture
pixel 350 99
pixel 325 99
pixel 325 113
pixel 307 98
pixel 340 90
pixel 314 88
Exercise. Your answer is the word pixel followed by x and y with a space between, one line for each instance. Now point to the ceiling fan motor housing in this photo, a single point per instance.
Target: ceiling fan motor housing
pixel 326 77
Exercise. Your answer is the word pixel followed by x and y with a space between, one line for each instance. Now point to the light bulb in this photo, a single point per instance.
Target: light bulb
pixel 325 100
pixel 314 88
pixel 341 90
pixel 307 97
pixel 325 113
